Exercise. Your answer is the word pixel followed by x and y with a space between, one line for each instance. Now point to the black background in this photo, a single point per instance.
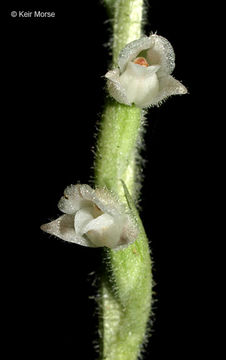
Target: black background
pixel 55 91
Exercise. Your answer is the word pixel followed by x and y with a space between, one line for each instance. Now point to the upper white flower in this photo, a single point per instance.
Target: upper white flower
pixel 143 76
pixel 92 218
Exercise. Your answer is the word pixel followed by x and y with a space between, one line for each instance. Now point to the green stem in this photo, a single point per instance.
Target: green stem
pixel 127 24
pixel 116 150
pixel 125 295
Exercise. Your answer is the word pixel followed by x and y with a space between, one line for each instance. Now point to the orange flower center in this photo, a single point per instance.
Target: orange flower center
pixel 141 61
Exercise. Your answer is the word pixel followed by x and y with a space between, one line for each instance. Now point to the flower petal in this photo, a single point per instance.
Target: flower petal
pixel 141 83
pixel 81 219
pixel 72 199
pixel 115 88
pixel 161 53
pixel 63 228
pixel 105 230
pixel 131 50
pixel 169 86
pixel 138 70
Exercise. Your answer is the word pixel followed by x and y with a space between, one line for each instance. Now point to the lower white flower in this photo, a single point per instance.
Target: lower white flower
pixel 92 218
pixel 143 74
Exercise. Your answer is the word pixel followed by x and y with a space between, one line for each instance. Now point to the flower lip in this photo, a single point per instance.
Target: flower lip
pixel 140 82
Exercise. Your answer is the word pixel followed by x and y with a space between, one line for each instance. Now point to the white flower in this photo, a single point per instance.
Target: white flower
pixel 92 218
pixel 143 76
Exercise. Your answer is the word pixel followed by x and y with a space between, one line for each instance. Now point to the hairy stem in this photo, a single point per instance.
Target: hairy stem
pixel 125 294
pixel 127 24
pixel 116 150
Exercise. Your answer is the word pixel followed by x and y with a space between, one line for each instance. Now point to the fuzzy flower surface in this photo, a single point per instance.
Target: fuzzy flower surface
pixel 92 218
pixel 143 74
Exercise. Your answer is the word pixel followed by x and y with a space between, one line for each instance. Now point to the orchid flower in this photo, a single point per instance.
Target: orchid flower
pixel 92 218
pixel 143 74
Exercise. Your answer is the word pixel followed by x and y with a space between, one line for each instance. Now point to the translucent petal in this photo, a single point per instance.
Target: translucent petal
pixel 115 87
pixel 169 86
pixel 63 228
pixel 161 53
pixel 73 199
